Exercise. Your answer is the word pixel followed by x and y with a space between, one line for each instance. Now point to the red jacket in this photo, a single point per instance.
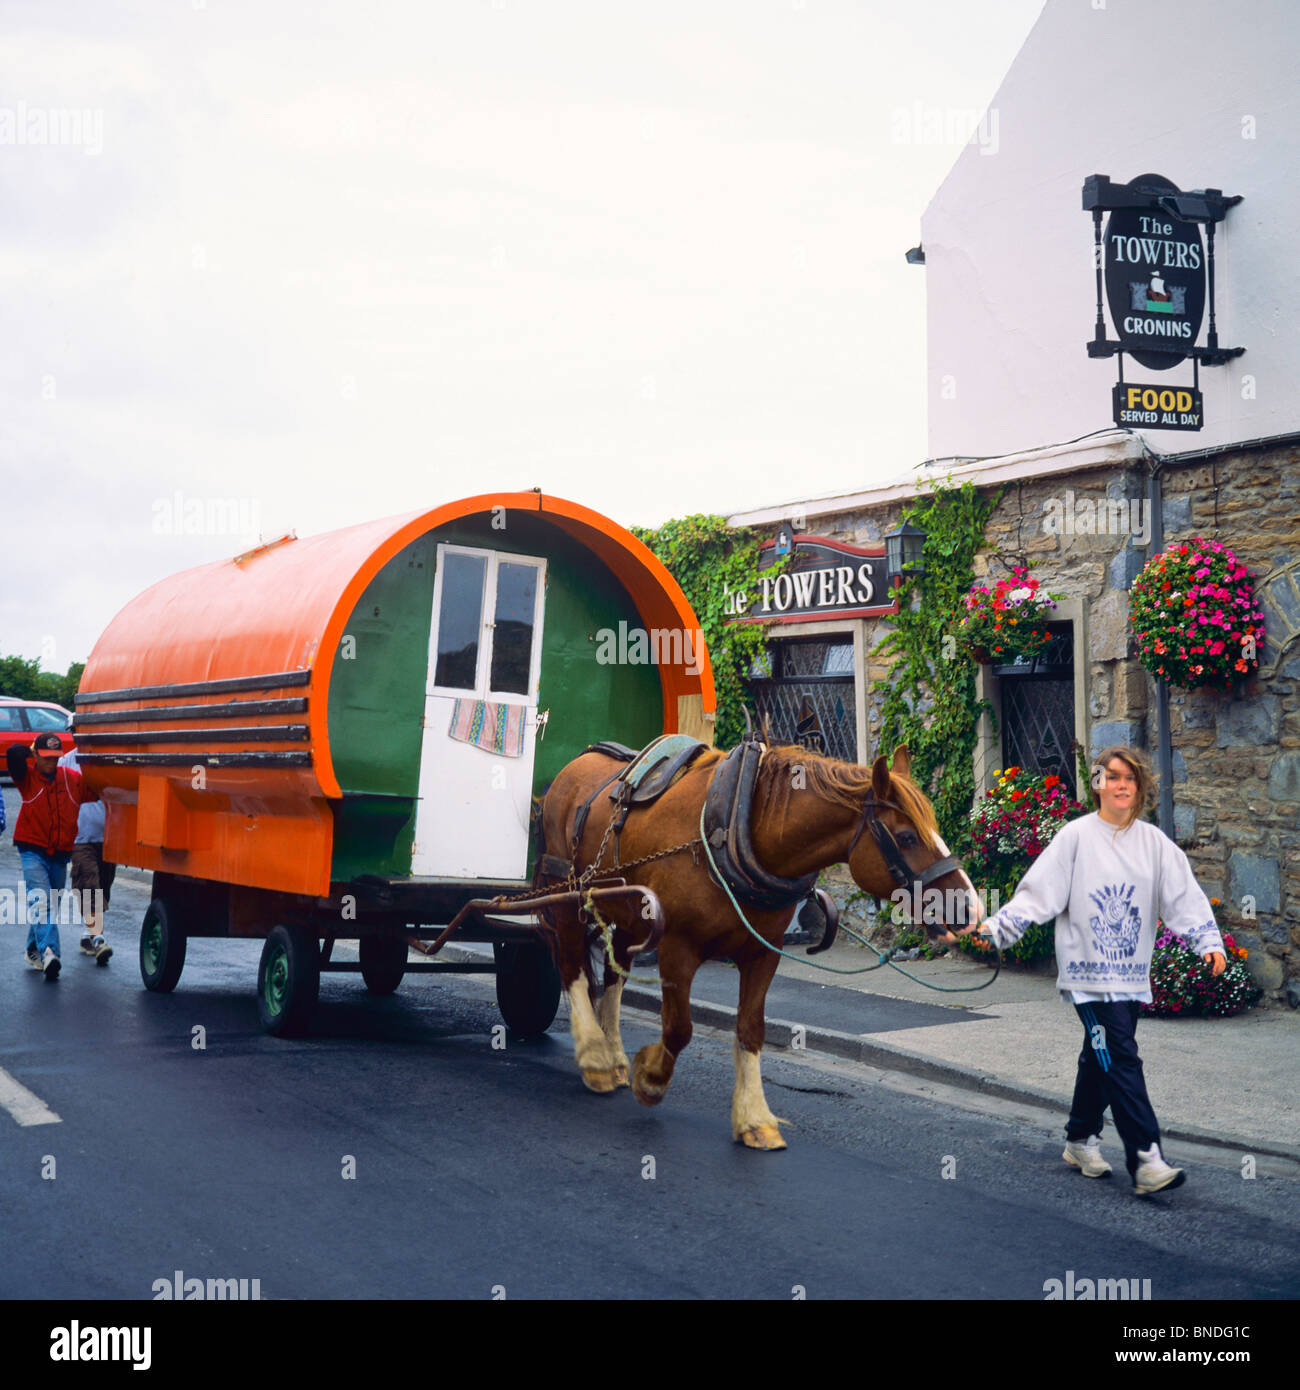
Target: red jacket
pixel 48 819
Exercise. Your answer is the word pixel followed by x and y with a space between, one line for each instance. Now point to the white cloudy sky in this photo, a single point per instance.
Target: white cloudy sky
pixel 333 261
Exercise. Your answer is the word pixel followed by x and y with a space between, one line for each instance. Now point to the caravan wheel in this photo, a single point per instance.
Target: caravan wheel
pixel 162 948
pixel 288 981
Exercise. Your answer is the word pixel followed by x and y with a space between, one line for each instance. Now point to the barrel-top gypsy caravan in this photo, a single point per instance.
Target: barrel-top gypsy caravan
pixel 343 736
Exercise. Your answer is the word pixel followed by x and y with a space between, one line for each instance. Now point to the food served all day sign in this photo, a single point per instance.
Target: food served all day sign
pixel 1157 407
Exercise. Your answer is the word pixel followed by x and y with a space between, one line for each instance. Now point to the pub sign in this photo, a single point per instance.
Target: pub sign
pixel 825 578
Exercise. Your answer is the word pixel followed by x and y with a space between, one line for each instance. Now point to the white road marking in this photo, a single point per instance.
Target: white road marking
pixel 25 1106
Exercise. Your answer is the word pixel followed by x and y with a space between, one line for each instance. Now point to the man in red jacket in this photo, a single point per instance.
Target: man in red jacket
pixel 43 836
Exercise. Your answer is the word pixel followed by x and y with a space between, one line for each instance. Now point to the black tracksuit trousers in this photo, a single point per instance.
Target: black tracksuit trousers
pixel 1110 1074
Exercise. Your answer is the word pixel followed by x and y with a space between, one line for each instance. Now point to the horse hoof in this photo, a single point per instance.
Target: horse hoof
pixel 602 1082
pixel 620 1076
pixel 762 1137
pixel 647 1092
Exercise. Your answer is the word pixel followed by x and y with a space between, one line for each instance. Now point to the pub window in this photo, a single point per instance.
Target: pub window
pixel 1037 698
pixel 805 688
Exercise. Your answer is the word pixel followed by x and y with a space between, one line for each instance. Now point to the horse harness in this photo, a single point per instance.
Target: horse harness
pixel 898 868
pixel 725 821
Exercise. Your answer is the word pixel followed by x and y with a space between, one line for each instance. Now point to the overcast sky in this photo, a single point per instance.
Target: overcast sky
pixel 322 262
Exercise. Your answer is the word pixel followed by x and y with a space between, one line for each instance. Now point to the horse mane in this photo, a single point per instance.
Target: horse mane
pixel 846 784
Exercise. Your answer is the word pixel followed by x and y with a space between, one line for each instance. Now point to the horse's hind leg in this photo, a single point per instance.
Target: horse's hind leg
pixel 653 1068
pixel 752 1123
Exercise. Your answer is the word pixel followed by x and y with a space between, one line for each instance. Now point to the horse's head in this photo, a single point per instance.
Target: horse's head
pixel 897 853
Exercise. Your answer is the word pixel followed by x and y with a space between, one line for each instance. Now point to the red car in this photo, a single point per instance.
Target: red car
pixel 22 720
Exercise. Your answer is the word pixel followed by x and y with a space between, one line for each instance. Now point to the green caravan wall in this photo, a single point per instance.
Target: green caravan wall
pixel 377 692
pixel 376 704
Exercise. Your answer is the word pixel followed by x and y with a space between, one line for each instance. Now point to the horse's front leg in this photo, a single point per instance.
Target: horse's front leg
pixel 607 1013
pixel 752 1123
pixel 590 1047
pixel 653 1068
pixel 617 965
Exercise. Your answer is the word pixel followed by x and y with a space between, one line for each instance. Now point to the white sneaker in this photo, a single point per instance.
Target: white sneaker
pixel 1086 1156
pixel 1154 1174
pixel 51 964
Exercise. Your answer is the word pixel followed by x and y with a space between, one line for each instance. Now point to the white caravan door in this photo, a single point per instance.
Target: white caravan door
pixel 480 715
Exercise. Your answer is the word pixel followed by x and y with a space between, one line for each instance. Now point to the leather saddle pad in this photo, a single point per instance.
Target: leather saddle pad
pixel 658 766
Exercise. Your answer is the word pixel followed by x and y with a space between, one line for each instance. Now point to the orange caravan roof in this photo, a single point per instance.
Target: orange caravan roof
pixel 270 622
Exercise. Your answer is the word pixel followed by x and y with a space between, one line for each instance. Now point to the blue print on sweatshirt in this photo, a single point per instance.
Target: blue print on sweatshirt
pixel 1119 923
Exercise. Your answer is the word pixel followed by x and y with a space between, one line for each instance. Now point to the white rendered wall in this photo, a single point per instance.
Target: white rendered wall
pixel 1172 87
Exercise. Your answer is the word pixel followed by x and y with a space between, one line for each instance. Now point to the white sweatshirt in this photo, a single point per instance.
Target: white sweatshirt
pixel 1106 887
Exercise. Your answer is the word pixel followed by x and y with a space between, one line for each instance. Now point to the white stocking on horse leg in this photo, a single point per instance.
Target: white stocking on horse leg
pixel 752 1123
pixel 589 1045
pixel 608 1016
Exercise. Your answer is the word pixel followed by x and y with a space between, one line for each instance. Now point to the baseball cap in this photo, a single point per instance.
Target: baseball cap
pixel 47 746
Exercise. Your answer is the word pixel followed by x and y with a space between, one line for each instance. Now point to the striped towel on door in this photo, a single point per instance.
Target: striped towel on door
pixel 494 728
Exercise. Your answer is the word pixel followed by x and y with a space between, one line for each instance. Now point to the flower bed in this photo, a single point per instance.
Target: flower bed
pixel 1182 984
pixel 1006 621
pixel 1194 616
pixel 1010 827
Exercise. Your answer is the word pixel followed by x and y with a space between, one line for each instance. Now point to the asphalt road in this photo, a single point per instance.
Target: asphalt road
pixel 482 1172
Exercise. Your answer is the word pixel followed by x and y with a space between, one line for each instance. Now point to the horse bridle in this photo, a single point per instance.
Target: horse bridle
pixel 888 846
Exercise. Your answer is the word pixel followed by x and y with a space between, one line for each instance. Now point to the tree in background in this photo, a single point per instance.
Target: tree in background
pixel 25 680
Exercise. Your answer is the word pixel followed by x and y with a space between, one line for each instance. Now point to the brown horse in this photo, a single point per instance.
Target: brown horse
pixel 808 812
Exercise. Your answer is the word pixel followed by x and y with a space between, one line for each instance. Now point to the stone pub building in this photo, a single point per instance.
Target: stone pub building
pixel 1022 394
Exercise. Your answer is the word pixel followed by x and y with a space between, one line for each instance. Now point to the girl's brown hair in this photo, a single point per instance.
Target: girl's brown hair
pixel 1137 763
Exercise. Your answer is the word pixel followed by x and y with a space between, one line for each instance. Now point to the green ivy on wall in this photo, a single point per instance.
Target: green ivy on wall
pixel 711 560
pixel 929 700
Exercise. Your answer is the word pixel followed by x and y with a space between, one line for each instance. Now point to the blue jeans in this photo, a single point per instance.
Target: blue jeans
pixel 43 876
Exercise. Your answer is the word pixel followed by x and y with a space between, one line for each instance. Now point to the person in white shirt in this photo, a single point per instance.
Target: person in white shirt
pixel 92 877
pixel 1106 877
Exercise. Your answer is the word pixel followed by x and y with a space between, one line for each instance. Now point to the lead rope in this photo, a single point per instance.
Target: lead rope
pixel 885 956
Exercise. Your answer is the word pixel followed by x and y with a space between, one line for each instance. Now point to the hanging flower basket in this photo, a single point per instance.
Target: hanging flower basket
pixel 1007 621
pixel 1195 618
